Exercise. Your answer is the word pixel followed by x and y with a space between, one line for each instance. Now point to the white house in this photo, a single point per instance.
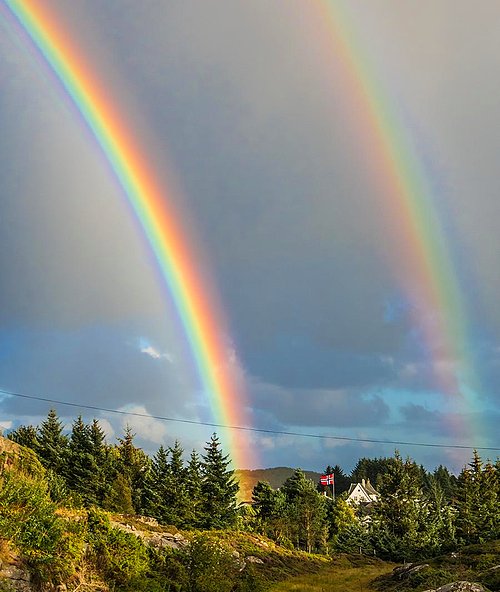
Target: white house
pixel 362 493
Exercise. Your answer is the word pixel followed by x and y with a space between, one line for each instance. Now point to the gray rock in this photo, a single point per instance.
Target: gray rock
pixel 405 571
pixel 253 559
pixel 460 587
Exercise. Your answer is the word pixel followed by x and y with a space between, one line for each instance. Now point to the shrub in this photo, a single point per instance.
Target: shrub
pixel 210 565
pixel 28 519
pixel 120 557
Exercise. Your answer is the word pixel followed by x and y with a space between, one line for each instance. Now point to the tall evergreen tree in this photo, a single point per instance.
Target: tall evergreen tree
pixel 402 522
pixel 133 464
pixel 218 487
pixel 154 495
pixel 81 469
pixel 103 460
pixel 469 501
pixel 306 512
pixel 53 444
pixel 193 488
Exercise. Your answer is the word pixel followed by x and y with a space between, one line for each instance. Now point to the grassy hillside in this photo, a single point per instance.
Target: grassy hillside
pixel 275 477
pixel 475 563
pixel 45 544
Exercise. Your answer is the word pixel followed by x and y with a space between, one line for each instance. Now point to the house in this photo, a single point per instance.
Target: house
pixel 362 493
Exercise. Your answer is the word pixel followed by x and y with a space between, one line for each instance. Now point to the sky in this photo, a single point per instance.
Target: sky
pixel 249 117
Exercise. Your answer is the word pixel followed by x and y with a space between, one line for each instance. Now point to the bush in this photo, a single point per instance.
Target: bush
pixel 27 517
pixel 121 558
pixel 210 565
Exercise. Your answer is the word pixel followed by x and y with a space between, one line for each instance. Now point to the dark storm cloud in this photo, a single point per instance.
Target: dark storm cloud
pixel 334 408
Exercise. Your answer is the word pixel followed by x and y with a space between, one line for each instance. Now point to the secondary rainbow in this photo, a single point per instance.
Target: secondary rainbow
pixel 200 317
pixel 424 263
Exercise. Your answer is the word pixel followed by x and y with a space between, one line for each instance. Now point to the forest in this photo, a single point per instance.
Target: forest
pixel 419 514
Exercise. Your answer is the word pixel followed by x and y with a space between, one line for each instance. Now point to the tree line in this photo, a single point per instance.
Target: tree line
pixel 419 513
pixel 83 469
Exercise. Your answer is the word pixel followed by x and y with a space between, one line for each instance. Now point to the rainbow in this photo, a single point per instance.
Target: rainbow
pixel 423 261
pixel 200 317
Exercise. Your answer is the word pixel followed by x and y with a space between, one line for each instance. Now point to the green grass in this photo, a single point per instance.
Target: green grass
pixel 343 574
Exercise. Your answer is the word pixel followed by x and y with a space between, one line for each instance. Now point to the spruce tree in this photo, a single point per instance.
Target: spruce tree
pixel 53 444
pixel 25 436
pixel 218 487
pixel 176 499
pixel 82 468
pixel 469 501
pixel 306 512
pixel 154 494
pixel 193 489
pixel 401 518
pixel 133 464
pixel 103 461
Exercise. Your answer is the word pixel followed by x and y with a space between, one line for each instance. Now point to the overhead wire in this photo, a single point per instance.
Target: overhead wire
pixel 246 428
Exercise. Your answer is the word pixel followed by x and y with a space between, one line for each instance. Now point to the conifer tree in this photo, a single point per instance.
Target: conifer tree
pixel 81 469
pixel 53 444
pixel 176 494
pixel 402 516
pixel 103 461
pixel 306 512
pixel 218 487
pixel 119 498
pixel 154 494
pixel 469 501
pixel 133 464
pixel 193 488
pixel 25 436
pixel 490 502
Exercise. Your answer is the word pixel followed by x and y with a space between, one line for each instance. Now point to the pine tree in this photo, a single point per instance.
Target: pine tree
pixel 103 461
pixel 218 488
pixel 177 499
pixel 119 498
pixel 133 464
pixel 469 501
pixel 306 512
pixel 53 444
pixel 154 487
pixel 401 517
pixel 25 436
pixel 490 502
pixel 193 490
pixel 478 496
pixel 81 469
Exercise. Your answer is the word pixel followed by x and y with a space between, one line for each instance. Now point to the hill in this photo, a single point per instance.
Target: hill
pixel 49 545
pixel 275 477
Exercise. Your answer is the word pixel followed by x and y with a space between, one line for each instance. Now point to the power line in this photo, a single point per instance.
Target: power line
pixel 246 428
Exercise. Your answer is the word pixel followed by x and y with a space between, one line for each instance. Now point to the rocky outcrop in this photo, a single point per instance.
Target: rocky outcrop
pixel 155 539
pixel 15 578
pixel 405 571
pixel 460 587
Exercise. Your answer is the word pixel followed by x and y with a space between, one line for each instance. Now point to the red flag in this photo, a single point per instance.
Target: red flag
pixel 326 479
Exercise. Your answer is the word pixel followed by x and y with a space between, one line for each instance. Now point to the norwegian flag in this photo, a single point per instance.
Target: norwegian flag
pixel 326 479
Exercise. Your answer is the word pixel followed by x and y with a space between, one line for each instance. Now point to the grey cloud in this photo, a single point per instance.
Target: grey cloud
pixel 319 407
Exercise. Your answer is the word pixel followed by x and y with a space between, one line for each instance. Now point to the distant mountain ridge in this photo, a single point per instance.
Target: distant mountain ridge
pixel 275 477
